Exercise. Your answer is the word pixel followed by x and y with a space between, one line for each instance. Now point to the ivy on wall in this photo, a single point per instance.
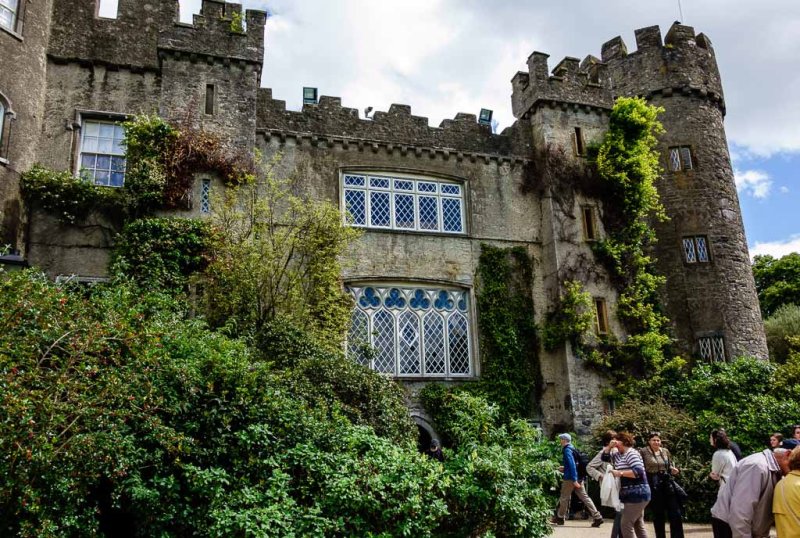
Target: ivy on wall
pixel 161 160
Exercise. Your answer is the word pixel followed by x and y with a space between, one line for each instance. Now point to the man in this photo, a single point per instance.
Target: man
pixel 786 500
pixel 744 503
pixel 571 483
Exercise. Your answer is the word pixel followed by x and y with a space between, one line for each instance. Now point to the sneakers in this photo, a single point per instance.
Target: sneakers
pixel 557 520
pixel 597 522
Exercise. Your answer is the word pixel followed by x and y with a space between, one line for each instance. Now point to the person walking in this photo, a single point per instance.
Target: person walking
pixel 635 491
pixel 786 499
pixel 664 503
pixel 571 483
pixel 597 469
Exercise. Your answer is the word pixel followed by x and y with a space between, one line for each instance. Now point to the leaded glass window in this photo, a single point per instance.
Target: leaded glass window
pixel 402 203
pixel 695 249
pixel 103 153
pixel 712 348
pixel 413 331
pixel 680 158
pixel 205 196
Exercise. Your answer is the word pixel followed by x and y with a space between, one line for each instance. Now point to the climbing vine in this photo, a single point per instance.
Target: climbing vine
pixel 161 160
pixel 570 320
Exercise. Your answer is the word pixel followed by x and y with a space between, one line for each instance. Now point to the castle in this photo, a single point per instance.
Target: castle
pixel 427 198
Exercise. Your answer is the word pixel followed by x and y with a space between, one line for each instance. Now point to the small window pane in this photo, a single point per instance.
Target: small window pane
pixel 404 211
pixel 434 344
pixel 702 251
pixel 458 344
pixel 101 178
pixel 379 209
pixel 426 187
pixel 379 182
pixel 451 214
pixel 205 196
pixel 674 160
pixel 117 179
pixel 688 250
pixel 451 189
pixel 403 185
pixel 354 181
pixel 88 160
pixel 89 144
pixel 356 206
pixel 103 162
pixel 686 158
pixel 428 213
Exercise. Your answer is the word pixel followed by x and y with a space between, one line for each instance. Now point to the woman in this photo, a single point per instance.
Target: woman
pixel 665 504
pixel 634 493
pixel 723 461
pixel 775 440
pixel 786 499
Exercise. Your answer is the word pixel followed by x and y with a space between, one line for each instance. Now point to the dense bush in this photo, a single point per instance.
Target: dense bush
pixel 498 475
pixel 120 417
pixel 777 281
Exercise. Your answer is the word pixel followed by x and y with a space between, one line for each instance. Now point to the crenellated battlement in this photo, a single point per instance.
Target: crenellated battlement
pixel 145 30
pixel 214 35
pixel 683 63
pixel 397 126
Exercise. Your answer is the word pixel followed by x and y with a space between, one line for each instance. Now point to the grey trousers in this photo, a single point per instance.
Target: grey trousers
pixel 632 524
pixel 567 487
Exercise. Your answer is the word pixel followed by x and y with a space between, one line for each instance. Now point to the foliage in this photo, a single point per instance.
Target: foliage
pixel 237 22
pixel 161 160
pixel 780 328
pixel 748 397
pixel 508 339
pixel 787 375
pixel 278 256
pixel 570 319
pixel 777 281
pixel 162 253
pixel 627 162
pixel 496 473
pixel 122 417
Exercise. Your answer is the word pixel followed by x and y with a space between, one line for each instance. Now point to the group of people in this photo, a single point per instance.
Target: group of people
pixel 753 493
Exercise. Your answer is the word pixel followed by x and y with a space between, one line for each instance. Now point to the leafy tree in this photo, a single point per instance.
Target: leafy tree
pixel 278 256
pixel 781 327
pixel 777 281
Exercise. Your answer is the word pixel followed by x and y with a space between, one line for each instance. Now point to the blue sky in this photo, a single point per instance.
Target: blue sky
pixel 447 56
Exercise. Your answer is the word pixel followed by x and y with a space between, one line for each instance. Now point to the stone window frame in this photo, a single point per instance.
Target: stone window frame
pixel 210 101
pixel 205 196
pixel 601 325
pixel 428 296
pixel 591 232
pixel 681 158
pixel 696 249
pixel 711 347
pixel 352 182
pixel 17 18
pixel 7 115
pixel 84 117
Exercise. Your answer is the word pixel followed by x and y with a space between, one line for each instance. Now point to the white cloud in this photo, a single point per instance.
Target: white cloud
pixel 784 189
pixel 755 183
pixel 777 249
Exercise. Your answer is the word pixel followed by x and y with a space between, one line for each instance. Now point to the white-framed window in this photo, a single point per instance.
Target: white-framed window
pixel 9 11
pixel 205 196
pixel 712 348
pixel 391 202
pixel 680 158
pixel 695 249
pixel 102 154
pixel 411 331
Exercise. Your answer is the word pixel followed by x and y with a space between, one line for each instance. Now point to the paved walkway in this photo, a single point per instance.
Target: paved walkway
pixel 581 529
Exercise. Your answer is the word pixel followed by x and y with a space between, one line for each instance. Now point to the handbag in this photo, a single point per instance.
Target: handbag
pixel 677 490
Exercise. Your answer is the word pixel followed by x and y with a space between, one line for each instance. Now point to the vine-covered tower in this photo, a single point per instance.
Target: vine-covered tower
pixel 710 294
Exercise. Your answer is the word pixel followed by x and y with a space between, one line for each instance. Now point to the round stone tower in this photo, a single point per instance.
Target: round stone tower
pixel 710 295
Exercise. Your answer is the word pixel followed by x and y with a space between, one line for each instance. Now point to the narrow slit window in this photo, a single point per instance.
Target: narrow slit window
pixel 205 196
pixel 210 99
pixel 578 142
pixel 695 249
pixel 601 316
pixel 589 225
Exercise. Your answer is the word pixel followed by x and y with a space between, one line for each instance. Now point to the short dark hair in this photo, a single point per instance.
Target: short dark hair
pixel 653 434
pixel 778 436
pixel 721 440
pixel 608 436
pixel 794 428
pixel 625 438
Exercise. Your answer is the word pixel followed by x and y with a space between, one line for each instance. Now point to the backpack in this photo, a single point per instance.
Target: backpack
pixel 581 462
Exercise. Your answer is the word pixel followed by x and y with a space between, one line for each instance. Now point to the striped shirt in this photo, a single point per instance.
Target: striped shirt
pixel 634 490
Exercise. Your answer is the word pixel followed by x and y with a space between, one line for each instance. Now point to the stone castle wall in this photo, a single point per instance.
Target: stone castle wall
pixel 144 62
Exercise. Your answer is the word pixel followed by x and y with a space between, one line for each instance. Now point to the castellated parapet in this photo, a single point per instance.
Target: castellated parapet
pixel 683 63
pixel 397 126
